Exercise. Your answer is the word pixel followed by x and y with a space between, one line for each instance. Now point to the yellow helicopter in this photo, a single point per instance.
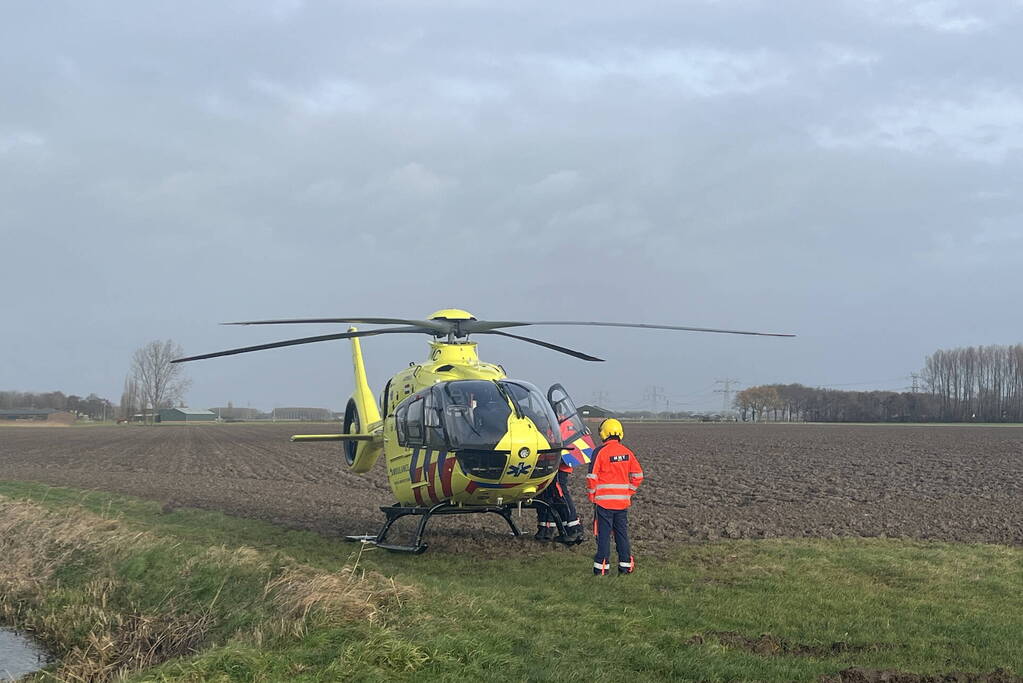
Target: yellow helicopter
pixel 457 434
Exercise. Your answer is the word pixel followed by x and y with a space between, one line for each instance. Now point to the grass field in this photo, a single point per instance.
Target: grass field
pixel 231 599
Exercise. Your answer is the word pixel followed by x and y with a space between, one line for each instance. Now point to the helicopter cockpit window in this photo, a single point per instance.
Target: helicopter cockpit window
pixel 474 413
pixel 401 423
pixel 415 433
pixel 433 421
pixel 532 404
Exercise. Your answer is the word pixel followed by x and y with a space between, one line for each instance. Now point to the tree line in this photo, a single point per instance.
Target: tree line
pixel 977 383
pixel 152 382
pixel 798 403
pixel 91 406
pixel 971 384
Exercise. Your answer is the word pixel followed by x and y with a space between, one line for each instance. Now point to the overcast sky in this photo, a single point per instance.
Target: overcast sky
pixel 846 171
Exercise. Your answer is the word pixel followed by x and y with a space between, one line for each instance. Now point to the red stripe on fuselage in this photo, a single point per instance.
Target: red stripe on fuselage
pixel 449 467
pixel 431 476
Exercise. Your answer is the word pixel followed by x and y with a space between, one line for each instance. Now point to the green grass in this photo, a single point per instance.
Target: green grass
pixel 913 606
pixel 926 608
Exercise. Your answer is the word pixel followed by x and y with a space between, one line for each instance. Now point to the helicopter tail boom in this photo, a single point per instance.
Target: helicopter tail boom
pixel 333 437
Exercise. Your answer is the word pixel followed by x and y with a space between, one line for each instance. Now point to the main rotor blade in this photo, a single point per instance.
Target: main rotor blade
pixel 553 347
pixel 480 326
pixel 304 340
pixel 429 324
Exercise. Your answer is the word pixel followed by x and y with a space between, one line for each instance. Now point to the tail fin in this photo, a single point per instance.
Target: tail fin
pixel 362 436
pixel 369 414
pixel 362 417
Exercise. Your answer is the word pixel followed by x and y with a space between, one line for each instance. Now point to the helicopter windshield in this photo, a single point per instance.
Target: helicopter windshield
pixel 532 404
pixel 475 413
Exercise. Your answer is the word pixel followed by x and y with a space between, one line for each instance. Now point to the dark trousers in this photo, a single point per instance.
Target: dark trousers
pixel 607 523
pixel 558 497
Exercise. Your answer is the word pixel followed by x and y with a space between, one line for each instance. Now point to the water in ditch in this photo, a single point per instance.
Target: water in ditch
pixel 19 655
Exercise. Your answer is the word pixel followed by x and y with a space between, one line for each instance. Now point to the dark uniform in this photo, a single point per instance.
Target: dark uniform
pixel 578 445
pixel 558 497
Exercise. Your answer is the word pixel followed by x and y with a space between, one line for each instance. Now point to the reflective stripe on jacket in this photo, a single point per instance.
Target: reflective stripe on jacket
pixel 614 476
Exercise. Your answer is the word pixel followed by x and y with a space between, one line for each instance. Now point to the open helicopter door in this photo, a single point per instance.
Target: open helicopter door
pixel 576 436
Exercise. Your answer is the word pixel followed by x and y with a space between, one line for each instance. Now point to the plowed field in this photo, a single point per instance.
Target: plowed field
pixel 702 481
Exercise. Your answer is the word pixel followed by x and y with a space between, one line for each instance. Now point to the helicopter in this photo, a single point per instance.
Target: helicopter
pixel 457 434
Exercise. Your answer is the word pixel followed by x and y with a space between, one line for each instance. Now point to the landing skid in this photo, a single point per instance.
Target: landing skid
pixel 396 512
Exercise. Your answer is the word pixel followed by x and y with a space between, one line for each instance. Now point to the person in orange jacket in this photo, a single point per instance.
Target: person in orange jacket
pixel 614 476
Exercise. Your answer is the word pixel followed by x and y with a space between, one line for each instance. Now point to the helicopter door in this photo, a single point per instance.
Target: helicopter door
pixel 575 434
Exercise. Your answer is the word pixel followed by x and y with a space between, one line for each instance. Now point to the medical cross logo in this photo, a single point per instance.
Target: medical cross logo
pixel 519 470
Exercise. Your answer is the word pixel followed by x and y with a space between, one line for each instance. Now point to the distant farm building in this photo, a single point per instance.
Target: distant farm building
pixel 594 412
pixel 305 414
pixel 38 415
pixel 185 415
pixel 233 414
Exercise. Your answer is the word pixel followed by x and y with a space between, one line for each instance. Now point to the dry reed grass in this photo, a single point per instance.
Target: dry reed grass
pixel 97 640
pixel 34 542
pixel 303 595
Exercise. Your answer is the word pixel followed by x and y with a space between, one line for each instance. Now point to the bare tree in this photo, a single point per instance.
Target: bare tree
pixel 129 397
pixel 977 383
pixel 743 403
pixel 160 382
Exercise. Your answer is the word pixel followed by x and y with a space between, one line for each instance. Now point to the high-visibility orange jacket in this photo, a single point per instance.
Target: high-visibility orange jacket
pixel 614 476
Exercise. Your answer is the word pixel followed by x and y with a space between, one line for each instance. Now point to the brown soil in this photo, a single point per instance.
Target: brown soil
pixel 702 481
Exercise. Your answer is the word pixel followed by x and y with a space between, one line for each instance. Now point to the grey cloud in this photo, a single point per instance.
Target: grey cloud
pixel 785 166
pixel 986 125
pixel 697 71
pixel 20 141
pixel 943 16
pixel 325 98
pixel 839 56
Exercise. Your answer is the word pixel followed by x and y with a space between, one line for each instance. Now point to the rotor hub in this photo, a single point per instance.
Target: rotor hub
pixel 454 317
pixel 452 314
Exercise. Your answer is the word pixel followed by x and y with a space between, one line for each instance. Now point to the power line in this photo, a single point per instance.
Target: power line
pixel 726 402
pixel 654 394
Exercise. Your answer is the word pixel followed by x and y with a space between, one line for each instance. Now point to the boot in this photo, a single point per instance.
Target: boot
pixel 544 533
pixel 569 537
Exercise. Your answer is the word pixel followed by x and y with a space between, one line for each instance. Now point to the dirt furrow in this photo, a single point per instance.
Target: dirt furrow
pixel 703 481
